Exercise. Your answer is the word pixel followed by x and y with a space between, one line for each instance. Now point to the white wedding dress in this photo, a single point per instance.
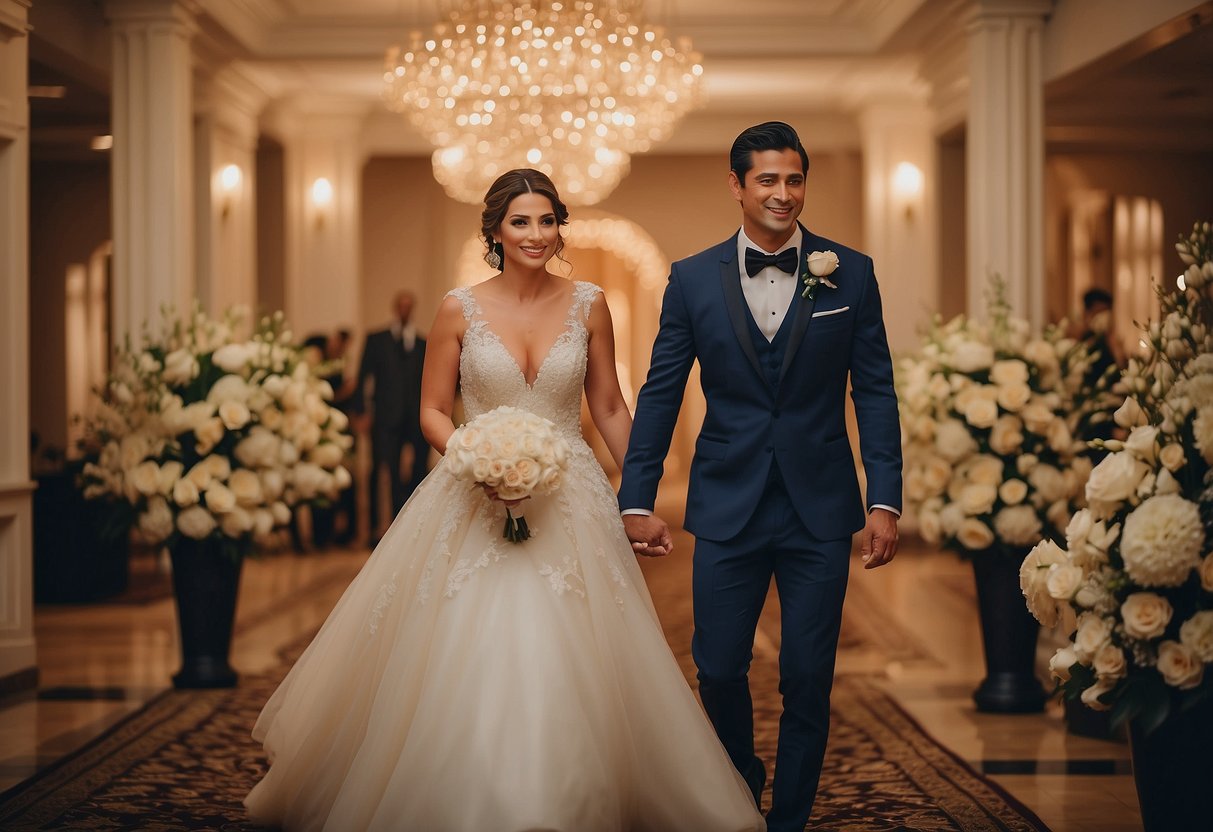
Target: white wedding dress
pixel 465 683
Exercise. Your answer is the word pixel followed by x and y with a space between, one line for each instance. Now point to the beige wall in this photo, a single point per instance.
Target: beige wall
pixel 1179 181
pixel 69 220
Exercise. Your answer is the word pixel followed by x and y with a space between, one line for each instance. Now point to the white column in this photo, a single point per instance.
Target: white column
pixel 900 220
pixel 225 145
pixel 323 240
pixel 1005 154
pixel 18 663
pixel 152 161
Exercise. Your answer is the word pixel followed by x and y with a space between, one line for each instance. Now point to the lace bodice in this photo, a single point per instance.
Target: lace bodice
pixel 490 376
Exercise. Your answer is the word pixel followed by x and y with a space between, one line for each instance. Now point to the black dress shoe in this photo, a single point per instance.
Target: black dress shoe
pixel 756 778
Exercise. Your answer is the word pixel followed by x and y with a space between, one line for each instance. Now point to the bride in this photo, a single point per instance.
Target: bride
pixel 464 682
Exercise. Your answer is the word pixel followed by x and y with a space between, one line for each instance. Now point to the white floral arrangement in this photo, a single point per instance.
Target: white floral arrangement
pixel 514 453
pixel 993 418
pixel 1134 583
pixel 207 435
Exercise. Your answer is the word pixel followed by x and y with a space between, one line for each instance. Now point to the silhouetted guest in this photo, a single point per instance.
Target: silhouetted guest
pixel 392 360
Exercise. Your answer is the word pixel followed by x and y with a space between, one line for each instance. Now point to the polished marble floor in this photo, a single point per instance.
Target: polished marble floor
pixel 916 622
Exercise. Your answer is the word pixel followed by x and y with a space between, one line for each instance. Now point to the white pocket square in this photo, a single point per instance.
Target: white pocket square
pixel 822 314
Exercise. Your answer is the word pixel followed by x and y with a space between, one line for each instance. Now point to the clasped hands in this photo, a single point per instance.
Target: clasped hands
pixel 649 534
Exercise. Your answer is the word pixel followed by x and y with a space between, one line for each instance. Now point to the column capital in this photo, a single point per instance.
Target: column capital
pixel 14 18
pixel 984 11
pixel 135 13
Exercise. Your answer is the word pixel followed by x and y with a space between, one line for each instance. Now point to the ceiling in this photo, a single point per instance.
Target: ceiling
pixel 815 63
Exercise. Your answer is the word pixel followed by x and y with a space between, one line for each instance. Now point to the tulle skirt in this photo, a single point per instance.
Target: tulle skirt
pixel 463 682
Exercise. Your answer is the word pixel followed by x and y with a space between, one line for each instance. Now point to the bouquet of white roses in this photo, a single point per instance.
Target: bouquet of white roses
pixel 207 435
pixel 513 452
pixel 1136 575
pixel 993 418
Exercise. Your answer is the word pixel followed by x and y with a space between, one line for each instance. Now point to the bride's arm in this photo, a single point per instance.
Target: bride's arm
pixel 441 374
pixel 607 406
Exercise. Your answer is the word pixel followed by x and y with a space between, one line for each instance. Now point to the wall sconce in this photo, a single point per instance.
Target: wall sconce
pixel 322 196
pixel 229 186
pixel 907 186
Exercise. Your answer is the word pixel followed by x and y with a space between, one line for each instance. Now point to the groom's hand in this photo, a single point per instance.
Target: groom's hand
pixel 878 543
pixel 649 534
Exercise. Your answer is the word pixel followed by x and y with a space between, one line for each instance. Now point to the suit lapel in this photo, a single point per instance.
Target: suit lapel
pixel 804 308
pixel 734 301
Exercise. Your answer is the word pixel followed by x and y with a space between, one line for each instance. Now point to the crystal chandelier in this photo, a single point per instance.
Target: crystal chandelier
pixel 570 87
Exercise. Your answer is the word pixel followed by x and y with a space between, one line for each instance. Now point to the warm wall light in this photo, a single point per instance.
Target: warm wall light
pixel 229 186
pixel 322 196
pixel 907 186
pixel 102 142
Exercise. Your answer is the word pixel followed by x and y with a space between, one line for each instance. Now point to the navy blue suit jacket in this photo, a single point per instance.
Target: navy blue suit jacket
pixel 802 423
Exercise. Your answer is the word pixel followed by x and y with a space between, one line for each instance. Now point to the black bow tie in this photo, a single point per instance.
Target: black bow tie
pixel 756 261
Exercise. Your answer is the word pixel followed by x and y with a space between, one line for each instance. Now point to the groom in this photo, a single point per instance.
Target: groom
pixel 773 489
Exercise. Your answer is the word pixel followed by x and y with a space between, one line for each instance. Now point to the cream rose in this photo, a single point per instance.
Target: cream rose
pixel 281 513
pixel 1059 437
pixel 551 480
pixel 1179 665
pixel 1048 482
pixel 978 498
pixel 1009 371
pixel 1013 491
pixel 1061 662
pixel 1206 573
pixel 1129 414
pixel 328 455
pixel 975 535
pixel 1197 634
pixel 1110 662
pixel 146 478
pixel 209 434
pixel 1007 435
pixel 1091 696
pixel 236 522
pixel 984 469
pixel 246 486
pixel 822 263
pixel 971 356
pixel 234 414
pixel 232 358
pixel 228 388
pixel 219 498
pixel 1115 478
pixel 1146 615
pixel 185 493
pixel 1014 397
pixel 1142 442
pixel 1018 525
pixel 1173 457
pixel 936 474
pixel 1033 581
pixel 950 518
pixel 1064 581
pixel 170 473
pixel 1094 631
pixel 156 523
pixel 195 522
pixel 953 441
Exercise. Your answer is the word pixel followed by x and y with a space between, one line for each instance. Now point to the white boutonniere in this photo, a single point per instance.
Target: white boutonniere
pixel 818 266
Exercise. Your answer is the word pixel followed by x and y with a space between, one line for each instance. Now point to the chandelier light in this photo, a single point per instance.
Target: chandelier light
pixel 570 87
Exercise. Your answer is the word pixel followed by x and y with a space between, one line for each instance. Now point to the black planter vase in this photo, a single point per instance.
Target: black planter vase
pixel 205 582
pixel 1173 770
pixel 1008 633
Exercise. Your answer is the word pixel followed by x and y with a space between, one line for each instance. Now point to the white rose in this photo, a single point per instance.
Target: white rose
pixel 1033 580
pixel 978 498
pixel 1007 435
pixel 1110 662
pixel 1061 663
pixel 550 481
pixel 156 523
pixel 1064 581
pixel 975 535
pixel 232 358
pixel 338 421
pixel 309 480
pixel 272 483
pixel 1094 631
pixel 1048 482
pixel 953 441
pixel 180 367
pixel 263 522
pixel 1018 525
pixel 327 455
pixel 271 417
pixel 983 469
pixel 1173 457
pixel 219 498
pixel 246 486
pixel 1037 417
pixel 146 478
pixel 1165 483
pixel 281 513
pixel 259 400
pixel 259 449
pixel 1179 665
pixel 1206 573
pixel 971 356
pixel 1059 436
pixel 1014 397
pixel 234 415
pixel 1009 371
pixel 1115 478
pixel 185 493
pixel 209 434
pixel 236 522
pixel 1026 463
pixel 169 474
pixel 981 412
pixel 822 263
pixel 342 478
pixel 292 397
pixel 200 475
pixel 930 527
pixel 227 389
pixel 950 518
pixel 1013 491
pixel 1146 615
pixel 1197 634
pixel 195 522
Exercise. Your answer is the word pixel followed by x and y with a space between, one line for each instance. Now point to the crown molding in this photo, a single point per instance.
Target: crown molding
pixel 14 18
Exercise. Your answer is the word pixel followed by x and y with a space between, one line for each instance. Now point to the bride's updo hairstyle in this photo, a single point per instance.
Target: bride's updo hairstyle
pixel 502 192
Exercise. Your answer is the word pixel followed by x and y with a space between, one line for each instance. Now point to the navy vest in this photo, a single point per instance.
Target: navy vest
pixel 770 353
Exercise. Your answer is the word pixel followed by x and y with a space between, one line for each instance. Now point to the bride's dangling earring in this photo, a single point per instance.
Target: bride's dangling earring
pixel 493 258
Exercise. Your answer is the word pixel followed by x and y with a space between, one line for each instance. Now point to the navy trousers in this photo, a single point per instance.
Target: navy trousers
pixel 731 579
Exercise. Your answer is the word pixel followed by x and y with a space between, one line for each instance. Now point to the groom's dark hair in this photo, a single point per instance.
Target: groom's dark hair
pixel 771 135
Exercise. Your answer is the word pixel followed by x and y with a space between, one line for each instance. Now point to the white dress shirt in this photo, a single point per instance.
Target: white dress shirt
pixel 405 334
pixel 768 293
